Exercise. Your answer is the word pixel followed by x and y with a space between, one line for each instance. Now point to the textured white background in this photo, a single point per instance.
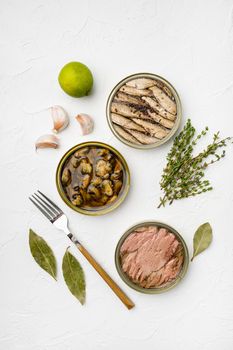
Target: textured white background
pixel 191 44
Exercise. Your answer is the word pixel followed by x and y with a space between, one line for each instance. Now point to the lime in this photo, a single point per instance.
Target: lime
pixel 76 79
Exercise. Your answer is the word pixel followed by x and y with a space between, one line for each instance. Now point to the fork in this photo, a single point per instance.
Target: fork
pixel 59 219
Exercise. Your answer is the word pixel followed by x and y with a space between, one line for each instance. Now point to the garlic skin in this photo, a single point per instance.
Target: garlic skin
pixel 86 123
pixel 47 141
pixel 60 118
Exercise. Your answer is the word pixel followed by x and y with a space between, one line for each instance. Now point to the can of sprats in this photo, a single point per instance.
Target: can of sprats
pixel 138 109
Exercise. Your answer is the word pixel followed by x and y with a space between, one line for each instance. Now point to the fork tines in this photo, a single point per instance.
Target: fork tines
pixel 46 206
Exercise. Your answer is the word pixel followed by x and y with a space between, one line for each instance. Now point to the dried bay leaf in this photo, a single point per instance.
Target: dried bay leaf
pixel 74 276
pixel 202 239
pixel 42 253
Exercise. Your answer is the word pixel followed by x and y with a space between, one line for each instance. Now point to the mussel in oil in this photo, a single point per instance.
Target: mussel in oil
pixel 93 177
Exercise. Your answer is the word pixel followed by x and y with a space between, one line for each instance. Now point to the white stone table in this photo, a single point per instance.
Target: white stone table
pixel 191 44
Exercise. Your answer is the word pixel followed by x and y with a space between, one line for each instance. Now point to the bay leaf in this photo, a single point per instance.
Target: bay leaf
pixel 42 253
pixel 74 276
pixel 202 239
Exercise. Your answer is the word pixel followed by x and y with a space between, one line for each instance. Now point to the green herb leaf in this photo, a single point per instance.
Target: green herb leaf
pixel 74 276
pixel 42 253
pixel 202 239
pixel 184 174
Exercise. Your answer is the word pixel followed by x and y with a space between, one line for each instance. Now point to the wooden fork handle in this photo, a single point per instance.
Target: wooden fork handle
pixel 116 289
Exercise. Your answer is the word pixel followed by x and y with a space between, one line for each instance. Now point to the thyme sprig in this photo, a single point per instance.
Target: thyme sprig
pixel 183 175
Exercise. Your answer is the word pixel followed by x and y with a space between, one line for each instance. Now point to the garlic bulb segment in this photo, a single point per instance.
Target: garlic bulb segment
pixel 47 141
pixel 86 123
pixel 60 118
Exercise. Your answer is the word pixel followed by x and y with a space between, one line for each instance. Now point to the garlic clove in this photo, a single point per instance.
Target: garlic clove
pixel 47 141
pixel 60 118
pixel 86 123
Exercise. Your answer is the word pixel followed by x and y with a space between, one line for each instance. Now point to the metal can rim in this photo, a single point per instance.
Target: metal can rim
pixel 178 104
pixel 60 188
pixel 134 286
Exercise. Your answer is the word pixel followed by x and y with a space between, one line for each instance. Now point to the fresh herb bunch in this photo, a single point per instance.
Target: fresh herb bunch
pixel 183 175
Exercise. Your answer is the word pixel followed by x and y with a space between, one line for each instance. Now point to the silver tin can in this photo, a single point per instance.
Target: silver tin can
pixel 162 289
pixel 150 76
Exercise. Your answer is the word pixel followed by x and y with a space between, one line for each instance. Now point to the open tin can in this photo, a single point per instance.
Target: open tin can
pixel 141 112
pixel 94 211
pixel 167 286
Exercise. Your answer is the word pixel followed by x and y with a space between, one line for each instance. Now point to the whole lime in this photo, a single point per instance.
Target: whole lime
pixel 76 79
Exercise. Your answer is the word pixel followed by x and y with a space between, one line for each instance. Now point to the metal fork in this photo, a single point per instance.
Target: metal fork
pixel 59 219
